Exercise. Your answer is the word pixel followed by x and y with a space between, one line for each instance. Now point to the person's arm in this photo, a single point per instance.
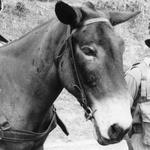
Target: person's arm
pixel 133 80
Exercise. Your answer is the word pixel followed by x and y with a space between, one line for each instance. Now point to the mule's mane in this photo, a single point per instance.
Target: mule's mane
pixel 34 40
pixel 28 33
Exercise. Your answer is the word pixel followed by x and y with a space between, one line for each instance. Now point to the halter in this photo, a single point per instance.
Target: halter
pixel 89 113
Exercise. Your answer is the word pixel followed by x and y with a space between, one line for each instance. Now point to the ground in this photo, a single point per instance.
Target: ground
pixel 21 16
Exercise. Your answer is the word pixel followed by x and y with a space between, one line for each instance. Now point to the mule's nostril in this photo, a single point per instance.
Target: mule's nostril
pixel 116 132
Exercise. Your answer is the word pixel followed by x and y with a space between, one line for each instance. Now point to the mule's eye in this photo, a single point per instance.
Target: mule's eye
pixel 87 50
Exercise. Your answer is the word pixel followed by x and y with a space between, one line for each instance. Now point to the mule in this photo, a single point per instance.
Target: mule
pixel 78 50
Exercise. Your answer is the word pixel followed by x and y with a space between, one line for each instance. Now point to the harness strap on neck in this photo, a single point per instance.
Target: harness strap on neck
pixel 15 136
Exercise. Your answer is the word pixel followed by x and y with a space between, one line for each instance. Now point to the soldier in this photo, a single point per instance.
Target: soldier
pixel 138 82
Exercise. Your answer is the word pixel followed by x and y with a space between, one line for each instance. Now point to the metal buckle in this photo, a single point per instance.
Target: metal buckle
pixel 1 134
pixel 89 114
pixel 4 127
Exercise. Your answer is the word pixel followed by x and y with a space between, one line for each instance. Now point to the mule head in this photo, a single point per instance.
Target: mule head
pixel 98 54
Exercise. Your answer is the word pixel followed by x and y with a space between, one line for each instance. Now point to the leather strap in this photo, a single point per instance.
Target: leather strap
pixel 89 113
pixel 14 135
pixel 137 128
pixel 94 20
pixel 62 125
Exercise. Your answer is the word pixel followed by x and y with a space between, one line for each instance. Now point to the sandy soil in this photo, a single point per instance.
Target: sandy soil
pixel 85 145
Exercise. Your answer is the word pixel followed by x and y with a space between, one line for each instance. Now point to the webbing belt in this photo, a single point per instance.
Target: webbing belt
pixel 145 82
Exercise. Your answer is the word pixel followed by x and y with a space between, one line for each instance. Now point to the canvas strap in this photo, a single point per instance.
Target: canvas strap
pixel 145 81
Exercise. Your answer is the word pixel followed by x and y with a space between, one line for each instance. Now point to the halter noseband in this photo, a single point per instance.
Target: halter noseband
pixel 89 113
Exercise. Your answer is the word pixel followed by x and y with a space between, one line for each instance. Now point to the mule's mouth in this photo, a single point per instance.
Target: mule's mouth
pixel 104 141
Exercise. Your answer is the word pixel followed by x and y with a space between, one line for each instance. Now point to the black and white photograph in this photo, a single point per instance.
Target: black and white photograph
pixel 74 75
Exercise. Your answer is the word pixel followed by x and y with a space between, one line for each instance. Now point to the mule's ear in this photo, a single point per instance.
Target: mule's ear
pixel 120 17
pixel 67 14
pixel 147 42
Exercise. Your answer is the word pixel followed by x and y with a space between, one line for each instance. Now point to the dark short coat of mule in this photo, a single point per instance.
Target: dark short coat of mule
pixel 35 68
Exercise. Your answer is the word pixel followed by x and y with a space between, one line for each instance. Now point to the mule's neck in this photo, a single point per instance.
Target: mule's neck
pixel 37 51
pixel 39 41
pixel 39 47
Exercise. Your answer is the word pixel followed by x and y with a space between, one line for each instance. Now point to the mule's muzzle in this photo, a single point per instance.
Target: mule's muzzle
pixel 115 133
pixel 105 142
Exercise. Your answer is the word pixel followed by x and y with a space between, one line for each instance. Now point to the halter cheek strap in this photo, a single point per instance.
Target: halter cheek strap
pixel 89 113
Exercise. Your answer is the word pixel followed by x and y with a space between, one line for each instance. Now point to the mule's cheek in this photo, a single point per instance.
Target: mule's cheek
pixel 110 113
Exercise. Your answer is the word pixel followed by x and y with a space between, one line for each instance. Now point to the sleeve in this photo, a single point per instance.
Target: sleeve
pixel 133 80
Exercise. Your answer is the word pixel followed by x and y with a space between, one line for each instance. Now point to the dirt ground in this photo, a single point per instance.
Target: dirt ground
pixel 16 21
pixel 84 145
